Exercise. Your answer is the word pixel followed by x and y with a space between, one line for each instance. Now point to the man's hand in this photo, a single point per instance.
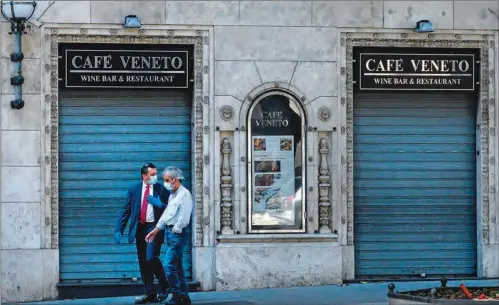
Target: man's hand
pixel 151 235
pixel 155 202
pixel 117 237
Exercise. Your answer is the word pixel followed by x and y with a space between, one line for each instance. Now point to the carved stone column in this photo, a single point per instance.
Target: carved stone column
pixel 324 185
pixel 226 188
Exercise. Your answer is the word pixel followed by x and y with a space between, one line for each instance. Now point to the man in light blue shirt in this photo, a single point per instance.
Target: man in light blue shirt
pixel 174 220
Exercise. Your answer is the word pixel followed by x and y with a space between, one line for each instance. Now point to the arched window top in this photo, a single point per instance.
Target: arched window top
pixel 275 103
pixel 276 153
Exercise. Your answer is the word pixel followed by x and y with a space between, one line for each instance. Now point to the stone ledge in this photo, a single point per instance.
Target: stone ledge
pixel 283 238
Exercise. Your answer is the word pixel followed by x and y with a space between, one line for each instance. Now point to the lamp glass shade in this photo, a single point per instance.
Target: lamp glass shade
pixel 18 10
pixel 132 21
pixel 424 26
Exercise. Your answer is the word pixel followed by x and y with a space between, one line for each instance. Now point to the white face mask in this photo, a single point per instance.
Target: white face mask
pixel 168 186
pixel 153 180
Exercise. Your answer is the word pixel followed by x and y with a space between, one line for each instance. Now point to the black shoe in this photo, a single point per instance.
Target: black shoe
pixel 146 299
pixel 163 296
pixel 186 300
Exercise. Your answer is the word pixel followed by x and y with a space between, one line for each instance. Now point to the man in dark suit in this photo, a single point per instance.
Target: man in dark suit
pixel 144 206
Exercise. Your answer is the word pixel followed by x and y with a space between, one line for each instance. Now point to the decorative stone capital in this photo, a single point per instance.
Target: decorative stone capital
pixel 324 113
pixel 227 113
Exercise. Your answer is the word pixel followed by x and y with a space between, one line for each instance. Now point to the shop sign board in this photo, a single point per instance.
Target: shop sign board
pixel 399 71
pixel 128 68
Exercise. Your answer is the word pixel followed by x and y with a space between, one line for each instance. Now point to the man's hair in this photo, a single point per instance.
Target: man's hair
pixel 145 168
pixel 174 173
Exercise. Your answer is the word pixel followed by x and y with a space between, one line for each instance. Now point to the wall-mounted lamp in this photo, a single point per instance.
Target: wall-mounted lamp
pixel 17 13
pixel 132 21
pixel 424 26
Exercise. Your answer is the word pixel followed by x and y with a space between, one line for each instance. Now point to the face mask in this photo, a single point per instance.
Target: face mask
pixel 168 186
pixel 153 180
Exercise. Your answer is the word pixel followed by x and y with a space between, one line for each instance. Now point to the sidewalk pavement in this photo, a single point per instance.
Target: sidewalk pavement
pixel 352 294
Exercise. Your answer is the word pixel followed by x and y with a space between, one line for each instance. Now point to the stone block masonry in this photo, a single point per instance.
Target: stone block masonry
pixel 250 46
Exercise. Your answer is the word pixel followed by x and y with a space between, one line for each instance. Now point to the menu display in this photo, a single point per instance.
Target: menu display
pixel 273 180
pixel 276 192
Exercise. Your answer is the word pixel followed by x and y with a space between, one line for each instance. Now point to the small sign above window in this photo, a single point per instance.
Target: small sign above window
pixel 130 68
pixel 395 71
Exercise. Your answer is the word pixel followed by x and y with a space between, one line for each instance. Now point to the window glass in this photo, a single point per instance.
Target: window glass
pixel 276 138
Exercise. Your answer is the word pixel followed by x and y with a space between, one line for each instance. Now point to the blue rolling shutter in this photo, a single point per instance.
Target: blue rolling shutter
pixel 103 144
pixel 414 184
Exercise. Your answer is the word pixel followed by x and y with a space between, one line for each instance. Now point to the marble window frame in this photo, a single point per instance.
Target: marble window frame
pixel 233 206
pixel 486 42
pixel 303 118
pixel 200 38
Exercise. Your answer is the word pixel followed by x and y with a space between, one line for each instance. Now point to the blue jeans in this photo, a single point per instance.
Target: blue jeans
pixel 173 261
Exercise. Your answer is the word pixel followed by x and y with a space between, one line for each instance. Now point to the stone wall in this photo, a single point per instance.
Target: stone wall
pixel 1 205
pixel 26 262
pixel 254 43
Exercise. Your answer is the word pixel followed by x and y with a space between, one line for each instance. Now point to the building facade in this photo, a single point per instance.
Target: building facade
pixel 323 141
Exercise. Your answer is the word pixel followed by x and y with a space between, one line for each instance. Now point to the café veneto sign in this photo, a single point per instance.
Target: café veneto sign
pixel 131 68
pixel 395 71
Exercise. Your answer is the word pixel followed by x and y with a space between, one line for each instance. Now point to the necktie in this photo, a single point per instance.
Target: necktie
pixel 143 209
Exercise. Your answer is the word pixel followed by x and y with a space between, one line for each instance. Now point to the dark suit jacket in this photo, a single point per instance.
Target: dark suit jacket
pixel 131 210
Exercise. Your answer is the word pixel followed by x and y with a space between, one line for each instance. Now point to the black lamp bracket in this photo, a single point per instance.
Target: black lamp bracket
pixel 17 104
pixel 17 26
pixel 17 80
pixel 16 57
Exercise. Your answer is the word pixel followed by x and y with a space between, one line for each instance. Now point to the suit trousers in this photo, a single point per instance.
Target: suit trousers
pixel 149 260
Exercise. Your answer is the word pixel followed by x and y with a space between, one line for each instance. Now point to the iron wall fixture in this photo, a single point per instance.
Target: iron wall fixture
pixel 17 13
